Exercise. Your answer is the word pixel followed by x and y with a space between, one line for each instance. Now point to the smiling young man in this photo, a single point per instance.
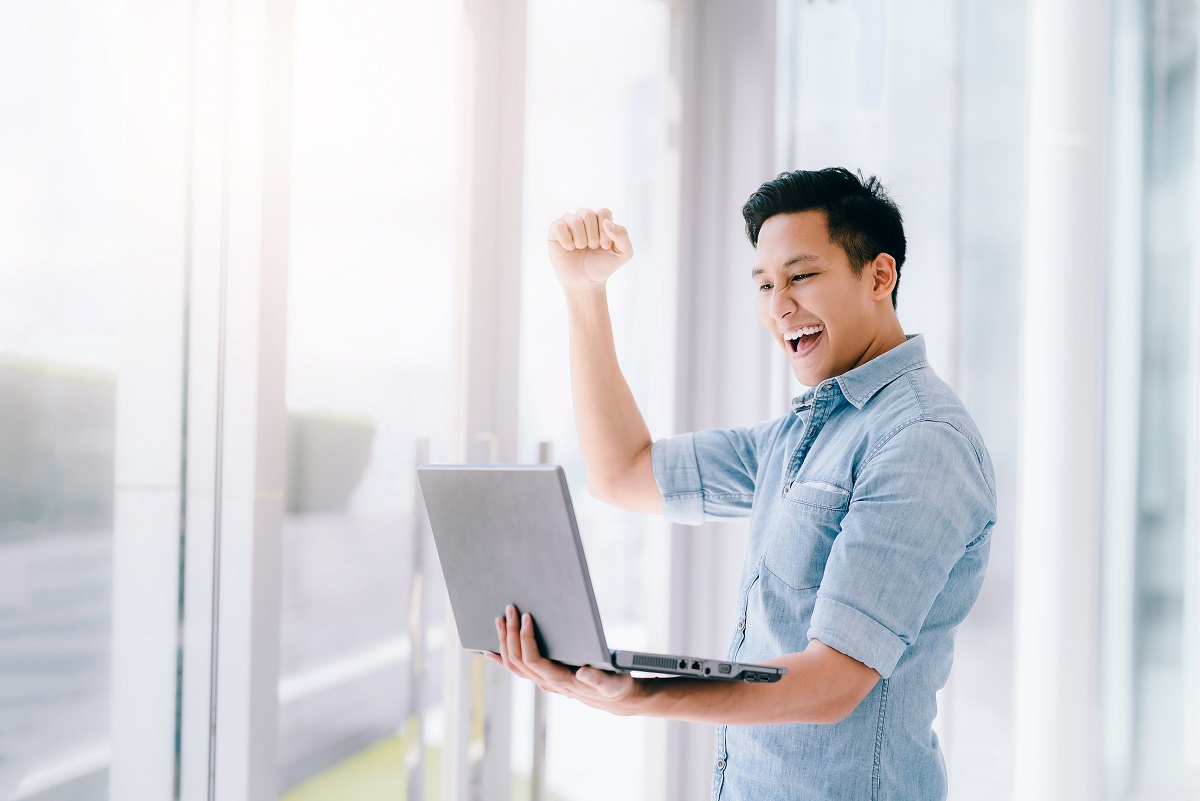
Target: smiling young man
pixel 871 506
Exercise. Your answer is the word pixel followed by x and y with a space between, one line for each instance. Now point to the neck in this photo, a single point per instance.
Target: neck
pixel 890 335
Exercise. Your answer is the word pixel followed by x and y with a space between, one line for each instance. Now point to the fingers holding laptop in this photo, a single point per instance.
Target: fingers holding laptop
pixel 519 653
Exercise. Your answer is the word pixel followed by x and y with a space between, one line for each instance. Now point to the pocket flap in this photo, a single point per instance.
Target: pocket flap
pixel 819 493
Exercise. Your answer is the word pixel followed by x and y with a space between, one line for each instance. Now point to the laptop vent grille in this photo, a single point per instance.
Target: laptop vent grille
pixel 653 661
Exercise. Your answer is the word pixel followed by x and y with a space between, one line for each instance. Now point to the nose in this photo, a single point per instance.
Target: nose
pixel 782 304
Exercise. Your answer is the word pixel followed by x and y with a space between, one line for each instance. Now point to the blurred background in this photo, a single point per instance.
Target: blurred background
pixel 259 258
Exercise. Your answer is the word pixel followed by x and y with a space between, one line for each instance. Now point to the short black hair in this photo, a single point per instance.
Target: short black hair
pixel 862 220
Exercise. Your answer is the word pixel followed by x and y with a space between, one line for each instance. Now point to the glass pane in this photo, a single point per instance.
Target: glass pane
pixel 1155 82
pixel 370 335
pixel 597 113
pixel 61 158
pixel 930 97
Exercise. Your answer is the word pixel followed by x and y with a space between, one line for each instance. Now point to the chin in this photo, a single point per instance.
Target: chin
pixel 807 379
pixel 810 378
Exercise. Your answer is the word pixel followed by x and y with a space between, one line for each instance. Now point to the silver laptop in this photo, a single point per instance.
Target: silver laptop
pixel 507 534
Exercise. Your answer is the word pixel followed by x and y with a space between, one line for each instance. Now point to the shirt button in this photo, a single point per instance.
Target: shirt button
pixel 785 489
pixel 720 764
pixel 742 624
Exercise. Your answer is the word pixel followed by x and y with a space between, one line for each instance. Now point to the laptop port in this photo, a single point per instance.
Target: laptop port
pixel 724 667
pixel 683 664
pixel 707 671
pixel 695 666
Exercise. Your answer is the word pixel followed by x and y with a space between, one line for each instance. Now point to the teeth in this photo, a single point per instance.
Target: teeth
pixel 805 331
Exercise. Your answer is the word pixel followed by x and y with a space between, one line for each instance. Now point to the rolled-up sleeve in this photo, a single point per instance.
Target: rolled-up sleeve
pixel 711 474
pixel 919 502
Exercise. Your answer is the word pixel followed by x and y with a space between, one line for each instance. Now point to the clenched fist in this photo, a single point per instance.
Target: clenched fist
pixel 587 247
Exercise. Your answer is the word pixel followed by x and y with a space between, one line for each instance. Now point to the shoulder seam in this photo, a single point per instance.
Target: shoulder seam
pixel 917 393
pixel 926 418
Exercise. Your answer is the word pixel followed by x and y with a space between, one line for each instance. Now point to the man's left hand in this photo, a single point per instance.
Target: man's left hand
pixel 613 692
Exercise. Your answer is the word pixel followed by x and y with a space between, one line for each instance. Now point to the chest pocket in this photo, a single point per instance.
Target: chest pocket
pixel 809 518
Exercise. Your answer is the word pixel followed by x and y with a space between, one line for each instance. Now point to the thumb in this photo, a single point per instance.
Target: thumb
pixel 608 685
pixel 592 677
pixel 618 235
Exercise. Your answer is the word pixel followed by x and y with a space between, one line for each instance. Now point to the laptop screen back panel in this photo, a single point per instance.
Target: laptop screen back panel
pixel 507 534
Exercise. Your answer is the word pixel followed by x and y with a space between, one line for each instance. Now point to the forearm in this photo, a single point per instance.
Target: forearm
pixel 613 435
pixel 814 690
pixel 822 685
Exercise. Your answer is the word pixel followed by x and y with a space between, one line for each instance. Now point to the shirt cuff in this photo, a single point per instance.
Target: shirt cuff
pixel 678 475
pixel 856 635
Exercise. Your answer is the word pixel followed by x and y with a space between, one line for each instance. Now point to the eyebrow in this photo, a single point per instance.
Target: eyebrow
pixel 799 257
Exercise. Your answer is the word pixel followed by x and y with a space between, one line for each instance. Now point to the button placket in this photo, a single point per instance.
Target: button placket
pixel 812 428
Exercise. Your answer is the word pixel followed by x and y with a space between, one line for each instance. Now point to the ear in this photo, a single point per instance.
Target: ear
pixel 883 276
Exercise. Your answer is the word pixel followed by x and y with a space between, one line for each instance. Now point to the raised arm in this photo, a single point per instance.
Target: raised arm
pixel 586 248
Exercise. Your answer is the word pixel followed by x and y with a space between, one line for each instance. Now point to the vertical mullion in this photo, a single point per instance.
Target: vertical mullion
pixel 1122 413
pixel 209 21
pixel 486 387
pixel 240 201
pixel 1191 531
pixel 149 403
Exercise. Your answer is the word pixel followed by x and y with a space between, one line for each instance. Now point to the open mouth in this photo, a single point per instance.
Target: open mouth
pixel 803 340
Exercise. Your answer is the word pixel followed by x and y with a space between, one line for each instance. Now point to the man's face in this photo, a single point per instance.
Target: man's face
pixel 825 318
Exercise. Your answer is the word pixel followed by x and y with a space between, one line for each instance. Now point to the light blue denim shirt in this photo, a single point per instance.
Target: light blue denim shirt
pixel 871 508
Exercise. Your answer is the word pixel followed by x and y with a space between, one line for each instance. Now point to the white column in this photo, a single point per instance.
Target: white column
pixel 725 69
pixel 489 274
pixel 252 435
pixel 490 249
pixel 1059 471
pixel 149 426
pixel 239 218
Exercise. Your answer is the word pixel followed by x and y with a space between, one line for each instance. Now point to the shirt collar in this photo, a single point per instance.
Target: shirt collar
pixel 860 384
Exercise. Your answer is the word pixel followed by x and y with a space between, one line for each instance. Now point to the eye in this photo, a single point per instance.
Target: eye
pixel 802 276
pixel 764 287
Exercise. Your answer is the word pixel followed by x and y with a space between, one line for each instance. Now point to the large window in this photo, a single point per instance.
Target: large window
pixel 1152 673
pixel 60 271
pixel 375 198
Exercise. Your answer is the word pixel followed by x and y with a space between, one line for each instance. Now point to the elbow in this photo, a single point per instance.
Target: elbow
pixel 828 714
pixel 839 713
pixel 833 708
pixel 602 488
pixel 598 490
pixel 841 706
